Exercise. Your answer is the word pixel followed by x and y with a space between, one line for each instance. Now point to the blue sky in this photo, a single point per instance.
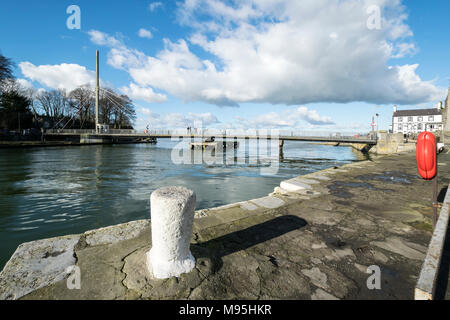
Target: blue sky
pixel 303 65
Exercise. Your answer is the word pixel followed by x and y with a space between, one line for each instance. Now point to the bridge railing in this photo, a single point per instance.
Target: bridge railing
pixel 254 132
pixel 123 131
pixel 332 136
pixel 70 131
pixel 91 131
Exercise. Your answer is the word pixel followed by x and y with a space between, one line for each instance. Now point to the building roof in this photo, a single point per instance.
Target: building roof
pixel 418 112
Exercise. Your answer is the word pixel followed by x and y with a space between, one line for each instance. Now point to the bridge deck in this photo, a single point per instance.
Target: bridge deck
pixel 193 136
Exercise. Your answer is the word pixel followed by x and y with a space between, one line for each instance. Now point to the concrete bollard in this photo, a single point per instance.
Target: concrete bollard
pixel 172 217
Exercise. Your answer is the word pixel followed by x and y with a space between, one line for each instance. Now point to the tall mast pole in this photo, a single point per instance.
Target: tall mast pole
pixel 97 93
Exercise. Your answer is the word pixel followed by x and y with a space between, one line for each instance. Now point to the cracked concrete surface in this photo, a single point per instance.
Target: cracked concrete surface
pixel 315 245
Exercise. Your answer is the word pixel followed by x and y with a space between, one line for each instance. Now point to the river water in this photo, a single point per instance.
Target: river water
pixel 49 192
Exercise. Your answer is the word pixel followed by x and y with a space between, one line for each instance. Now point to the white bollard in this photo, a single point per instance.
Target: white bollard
pixel 172 217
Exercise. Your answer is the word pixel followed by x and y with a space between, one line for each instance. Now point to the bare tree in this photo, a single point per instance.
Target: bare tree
pixel 32 95
pixel 116 110
pixel 106 105
pixel 81 102
pixel 124 112
pixel 8 85
pixel 54 103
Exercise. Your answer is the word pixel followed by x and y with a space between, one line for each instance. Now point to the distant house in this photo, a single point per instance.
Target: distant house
pixel 416 121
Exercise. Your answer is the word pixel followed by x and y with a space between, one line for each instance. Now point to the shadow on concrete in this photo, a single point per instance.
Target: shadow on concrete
pixel 217 248
pixel 442 193
pixel 442 289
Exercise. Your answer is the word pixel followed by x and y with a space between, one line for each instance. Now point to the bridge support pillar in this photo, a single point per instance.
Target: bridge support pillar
pixel 90 138
pixel 280 154
pixel 281 144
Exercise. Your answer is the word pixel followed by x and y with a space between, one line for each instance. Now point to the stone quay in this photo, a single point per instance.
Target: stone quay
pixel 315 237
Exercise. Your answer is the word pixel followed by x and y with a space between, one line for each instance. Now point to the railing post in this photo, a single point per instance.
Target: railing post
pixel 172 218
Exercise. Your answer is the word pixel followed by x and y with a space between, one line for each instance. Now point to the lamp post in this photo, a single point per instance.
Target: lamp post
pixel 378 128
pixel 97 91
pixel 373 126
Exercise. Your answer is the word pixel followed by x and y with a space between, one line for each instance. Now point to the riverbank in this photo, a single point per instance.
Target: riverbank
pixel 48 144
pixel 311 243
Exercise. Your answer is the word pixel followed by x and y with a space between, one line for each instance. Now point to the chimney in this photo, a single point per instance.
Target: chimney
pixel 439 105
pixel 395 108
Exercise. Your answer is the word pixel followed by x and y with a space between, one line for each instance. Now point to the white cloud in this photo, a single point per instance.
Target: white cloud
pixel 62 76
pixel 173 120
pixel 145 94
pixel 283 52
pixel 286 119
pixel 154 5
pixel 311 116
pixel 25 84
pixel 144 33
pixel 205 119
pixel 297 118
pixel 404 49
pixel 119 57
pixel 103 39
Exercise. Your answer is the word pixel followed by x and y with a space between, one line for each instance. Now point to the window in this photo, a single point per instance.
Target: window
pixel 431 118
pixel 410 119
pixel 420 119
pixel 419 126
pixel 400 127
pixel 400 119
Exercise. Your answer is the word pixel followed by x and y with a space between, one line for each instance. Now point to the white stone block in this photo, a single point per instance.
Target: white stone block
pixel 172 217
pixel 307 181
pixel 269 202
pixel 294 185
pixel 280 190
pixel 321 177
pixel 248 206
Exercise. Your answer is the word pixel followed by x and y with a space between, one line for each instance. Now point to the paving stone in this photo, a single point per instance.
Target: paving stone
pixel 396 245
pixel 319 294
pixel 269 202
pixel 317 277
pixel 248 206
pixel 36 265
pixel 114 234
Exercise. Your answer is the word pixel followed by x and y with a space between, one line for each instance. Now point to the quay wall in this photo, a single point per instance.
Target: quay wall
pixel 111 262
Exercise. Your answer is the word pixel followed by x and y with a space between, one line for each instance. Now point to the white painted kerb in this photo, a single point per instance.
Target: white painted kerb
pixel 172 217
pixel 426 285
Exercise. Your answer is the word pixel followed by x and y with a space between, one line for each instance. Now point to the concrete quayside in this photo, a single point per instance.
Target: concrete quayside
pixel 315 237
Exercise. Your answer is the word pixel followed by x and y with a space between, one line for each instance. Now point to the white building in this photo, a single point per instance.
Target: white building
pixel 416 121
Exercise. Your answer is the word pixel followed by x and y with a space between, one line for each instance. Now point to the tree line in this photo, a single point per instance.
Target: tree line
pixel 25 108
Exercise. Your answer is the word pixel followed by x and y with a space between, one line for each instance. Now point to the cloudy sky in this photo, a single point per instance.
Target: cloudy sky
pixel 325 65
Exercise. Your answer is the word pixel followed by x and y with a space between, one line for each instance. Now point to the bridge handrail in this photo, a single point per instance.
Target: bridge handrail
pixel 91 131
pixel 338 137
